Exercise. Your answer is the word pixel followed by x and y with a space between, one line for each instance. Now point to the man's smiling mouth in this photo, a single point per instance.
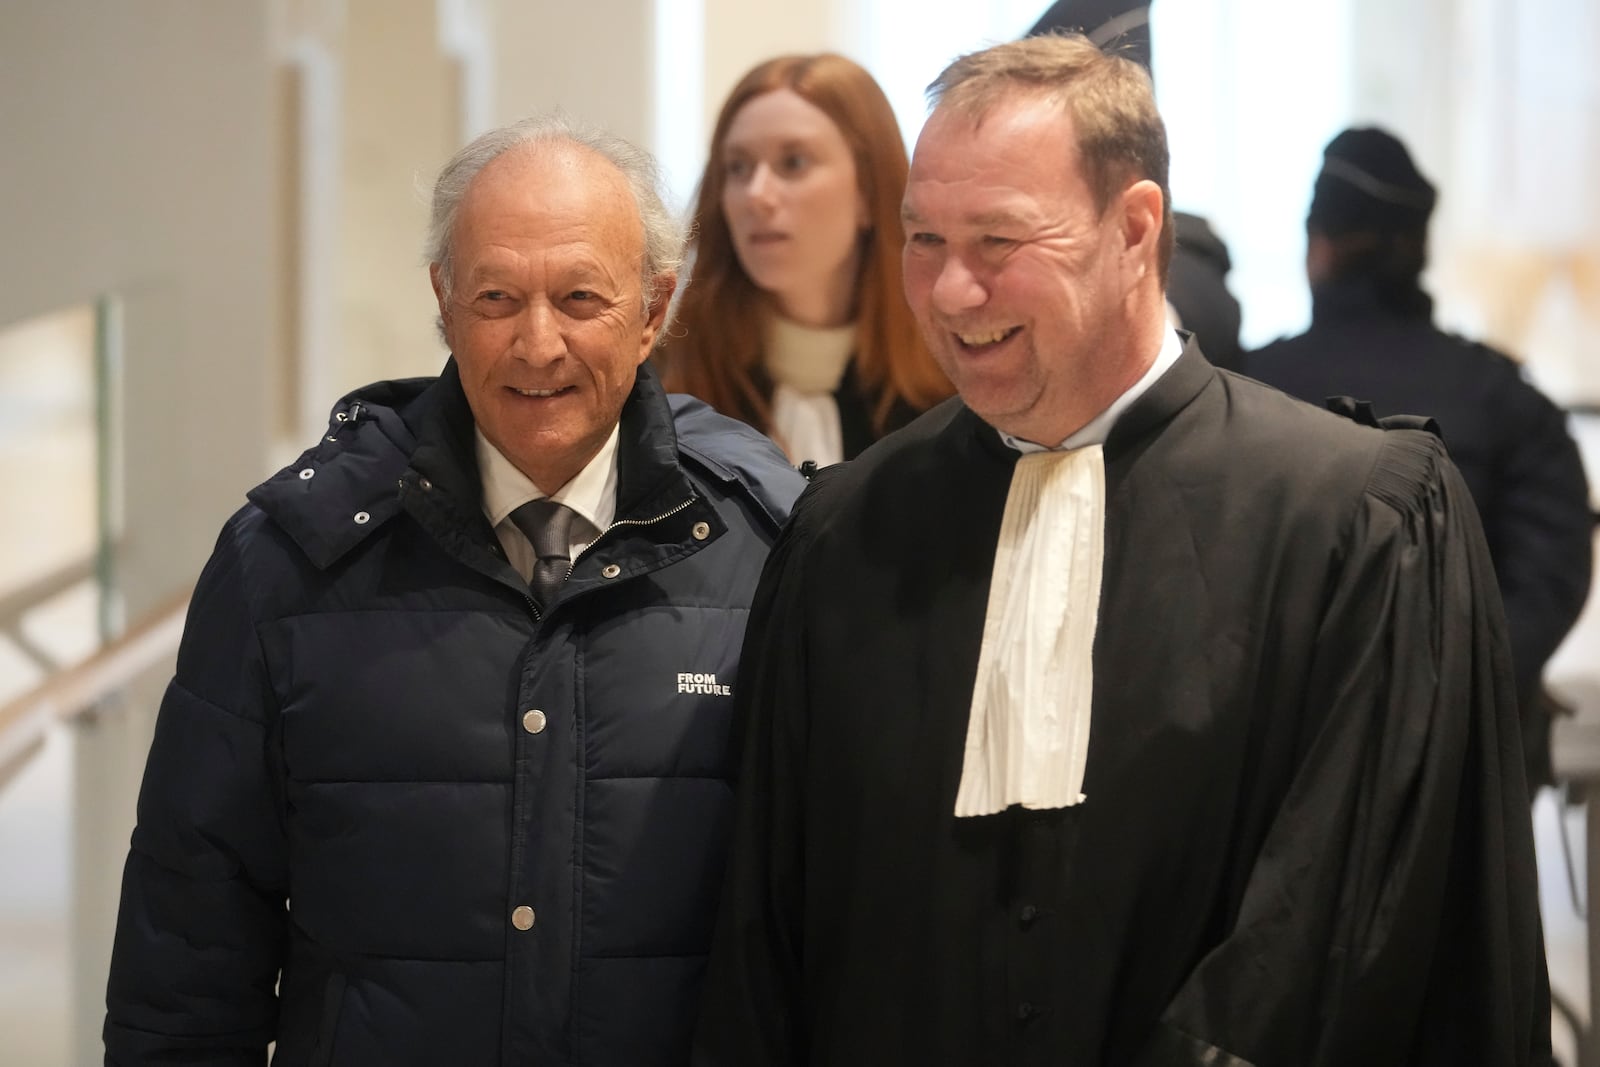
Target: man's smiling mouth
pixel 987 338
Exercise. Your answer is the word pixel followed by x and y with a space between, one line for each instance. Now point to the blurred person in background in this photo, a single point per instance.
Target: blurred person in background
pixel 1372 337
pixel 1198 299
pixel 443 776
pixel 794 319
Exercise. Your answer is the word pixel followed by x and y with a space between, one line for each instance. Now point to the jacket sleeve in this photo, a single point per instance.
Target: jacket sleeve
pixel 1391 916
pixel 202 923
pixel 1540 528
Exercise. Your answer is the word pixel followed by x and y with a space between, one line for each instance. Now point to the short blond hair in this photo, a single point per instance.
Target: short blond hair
pixel 1120 136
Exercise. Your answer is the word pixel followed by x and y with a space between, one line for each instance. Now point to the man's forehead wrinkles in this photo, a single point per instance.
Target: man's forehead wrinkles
pixel 996 217
pixel 559 256
pixel 977 216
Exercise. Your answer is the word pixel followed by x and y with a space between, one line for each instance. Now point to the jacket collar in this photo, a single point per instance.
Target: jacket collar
pixel 408 444
pixel 1170 394
pixel 443 488
pixel 341 489
pixel 647 448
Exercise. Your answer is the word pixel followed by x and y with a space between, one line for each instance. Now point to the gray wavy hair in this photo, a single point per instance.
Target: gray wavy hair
pixel 663 235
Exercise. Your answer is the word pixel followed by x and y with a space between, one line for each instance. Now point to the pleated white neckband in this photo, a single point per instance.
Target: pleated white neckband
pixel 1028 731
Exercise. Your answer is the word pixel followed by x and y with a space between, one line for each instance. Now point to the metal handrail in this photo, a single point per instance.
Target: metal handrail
pixel 76 690
pixel 15 606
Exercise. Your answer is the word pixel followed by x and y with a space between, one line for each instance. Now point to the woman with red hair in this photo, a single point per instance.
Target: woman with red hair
pixel 794 319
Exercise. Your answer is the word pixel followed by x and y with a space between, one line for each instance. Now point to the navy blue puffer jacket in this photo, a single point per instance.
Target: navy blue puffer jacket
pixel 463 833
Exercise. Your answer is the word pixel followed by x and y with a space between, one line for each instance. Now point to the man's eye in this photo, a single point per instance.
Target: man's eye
pixel 925 240
pixel 492 294
pixel 586 303
pixel 996 241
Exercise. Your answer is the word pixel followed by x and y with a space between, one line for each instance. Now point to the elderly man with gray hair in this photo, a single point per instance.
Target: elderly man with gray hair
pixel 426 788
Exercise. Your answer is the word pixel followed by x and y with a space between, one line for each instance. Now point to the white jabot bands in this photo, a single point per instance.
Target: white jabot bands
pixel 1028 731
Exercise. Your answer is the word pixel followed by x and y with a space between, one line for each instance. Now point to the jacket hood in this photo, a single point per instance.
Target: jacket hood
pixel 346 485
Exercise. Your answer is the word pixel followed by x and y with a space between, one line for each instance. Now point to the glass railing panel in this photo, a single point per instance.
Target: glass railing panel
pixel 36 957
pixel 56 417
pixel 50 458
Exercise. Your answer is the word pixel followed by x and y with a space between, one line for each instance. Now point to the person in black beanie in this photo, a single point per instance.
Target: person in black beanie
pixel 1198 299
pixel 1372 338
pixel 1369 220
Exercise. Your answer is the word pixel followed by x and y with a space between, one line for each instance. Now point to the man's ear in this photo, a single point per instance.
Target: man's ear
pixel 655 311
pixel 436 278
pixel 1141 216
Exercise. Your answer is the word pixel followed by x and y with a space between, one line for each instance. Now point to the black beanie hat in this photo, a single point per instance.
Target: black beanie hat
pixel 1369 184
pixel 1121 27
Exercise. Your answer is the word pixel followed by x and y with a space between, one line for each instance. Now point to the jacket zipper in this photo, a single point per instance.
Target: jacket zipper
pixel 631 522
pixel 614 524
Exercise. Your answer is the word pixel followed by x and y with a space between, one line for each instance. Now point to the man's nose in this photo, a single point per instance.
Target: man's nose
pixel 957 288
pixel 539 339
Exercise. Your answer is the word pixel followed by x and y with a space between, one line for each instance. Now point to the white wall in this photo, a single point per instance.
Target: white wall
pixel 400 123
pixel 138 162
pixel 1251 90
pixel 905 45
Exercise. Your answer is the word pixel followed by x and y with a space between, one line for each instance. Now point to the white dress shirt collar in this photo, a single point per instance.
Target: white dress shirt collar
pixel 1097 429
pixel 592 493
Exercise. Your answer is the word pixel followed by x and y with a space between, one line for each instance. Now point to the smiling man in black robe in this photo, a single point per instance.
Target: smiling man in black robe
pixel 1122 710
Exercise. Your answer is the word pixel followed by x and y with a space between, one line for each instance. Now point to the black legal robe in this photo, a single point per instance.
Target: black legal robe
pixel 1509 441
pixel 1306 837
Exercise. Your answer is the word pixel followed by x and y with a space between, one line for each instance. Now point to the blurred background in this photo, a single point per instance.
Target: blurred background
pixel 212 219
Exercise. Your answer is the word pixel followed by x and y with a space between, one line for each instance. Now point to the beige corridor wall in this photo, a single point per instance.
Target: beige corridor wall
pixel 740 34
pixel 398 125
pixel 138 163
pixel 592 60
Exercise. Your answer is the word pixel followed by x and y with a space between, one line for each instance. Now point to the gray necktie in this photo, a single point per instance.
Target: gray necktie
pixel 546 525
